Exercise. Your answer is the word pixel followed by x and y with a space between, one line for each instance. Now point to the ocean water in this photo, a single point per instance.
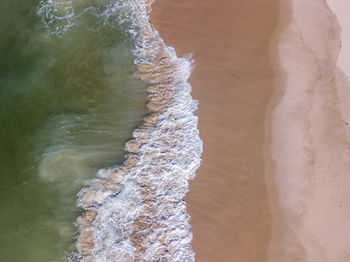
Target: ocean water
pixel 138 209
pixel 69 100
pixel 73 82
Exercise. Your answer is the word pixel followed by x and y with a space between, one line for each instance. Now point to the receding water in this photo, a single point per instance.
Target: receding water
pixel 67 105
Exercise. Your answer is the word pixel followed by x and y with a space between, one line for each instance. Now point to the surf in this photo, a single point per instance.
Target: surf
pixel 135 210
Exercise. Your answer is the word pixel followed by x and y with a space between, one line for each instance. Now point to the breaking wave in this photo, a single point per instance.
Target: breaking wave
pixel 136 211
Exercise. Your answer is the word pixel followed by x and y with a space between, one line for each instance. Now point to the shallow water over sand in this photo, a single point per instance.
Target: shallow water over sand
pixel 67 106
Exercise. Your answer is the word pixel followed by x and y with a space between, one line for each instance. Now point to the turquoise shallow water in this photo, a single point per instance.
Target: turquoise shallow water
pixel 67 106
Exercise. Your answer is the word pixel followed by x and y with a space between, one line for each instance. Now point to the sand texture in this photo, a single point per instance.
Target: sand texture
pixel 310 142
pixel 233 81
pixel 272 81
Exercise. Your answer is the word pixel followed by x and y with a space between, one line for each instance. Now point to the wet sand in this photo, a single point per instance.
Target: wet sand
pixel 272 81
pixel 233 80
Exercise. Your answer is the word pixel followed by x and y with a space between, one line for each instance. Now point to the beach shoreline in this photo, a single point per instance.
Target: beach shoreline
pixel 304 129
pixel 135 211
pixel 233 81
pixel 271 79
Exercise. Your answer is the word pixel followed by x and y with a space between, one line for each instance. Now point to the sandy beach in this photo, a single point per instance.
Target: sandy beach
pixel 233 81
pixel 309 136
pixel 272 81
pixel 210 131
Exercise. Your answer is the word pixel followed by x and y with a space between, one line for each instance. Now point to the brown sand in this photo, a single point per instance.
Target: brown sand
pixel 237 45
pixel 233 81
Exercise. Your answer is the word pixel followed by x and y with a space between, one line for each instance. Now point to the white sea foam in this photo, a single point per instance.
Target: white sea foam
pixel 138 212
pixel 129 16
pixel 56 15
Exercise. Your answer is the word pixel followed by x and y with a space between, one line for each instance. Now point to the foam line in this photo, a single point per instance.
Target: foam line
pixel 136 211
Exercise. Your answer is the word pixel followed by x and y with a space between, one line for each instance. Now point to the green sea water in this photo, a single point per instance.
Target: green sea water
pixel 67 105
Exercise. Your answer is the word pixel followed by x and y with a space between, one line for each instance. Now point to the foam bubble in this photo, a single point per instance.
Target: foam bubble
pixel 129 16
pixel 136 211
pixel 57 15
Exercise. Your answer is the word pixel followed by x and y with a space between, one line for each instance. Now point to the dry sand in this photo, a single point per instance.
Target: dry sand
pixel 233 81
pixel 272 82
pixel 310 138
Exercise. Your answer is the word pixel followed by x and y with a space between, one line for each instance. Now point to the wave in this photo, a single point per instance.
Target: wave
pixel 135 211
